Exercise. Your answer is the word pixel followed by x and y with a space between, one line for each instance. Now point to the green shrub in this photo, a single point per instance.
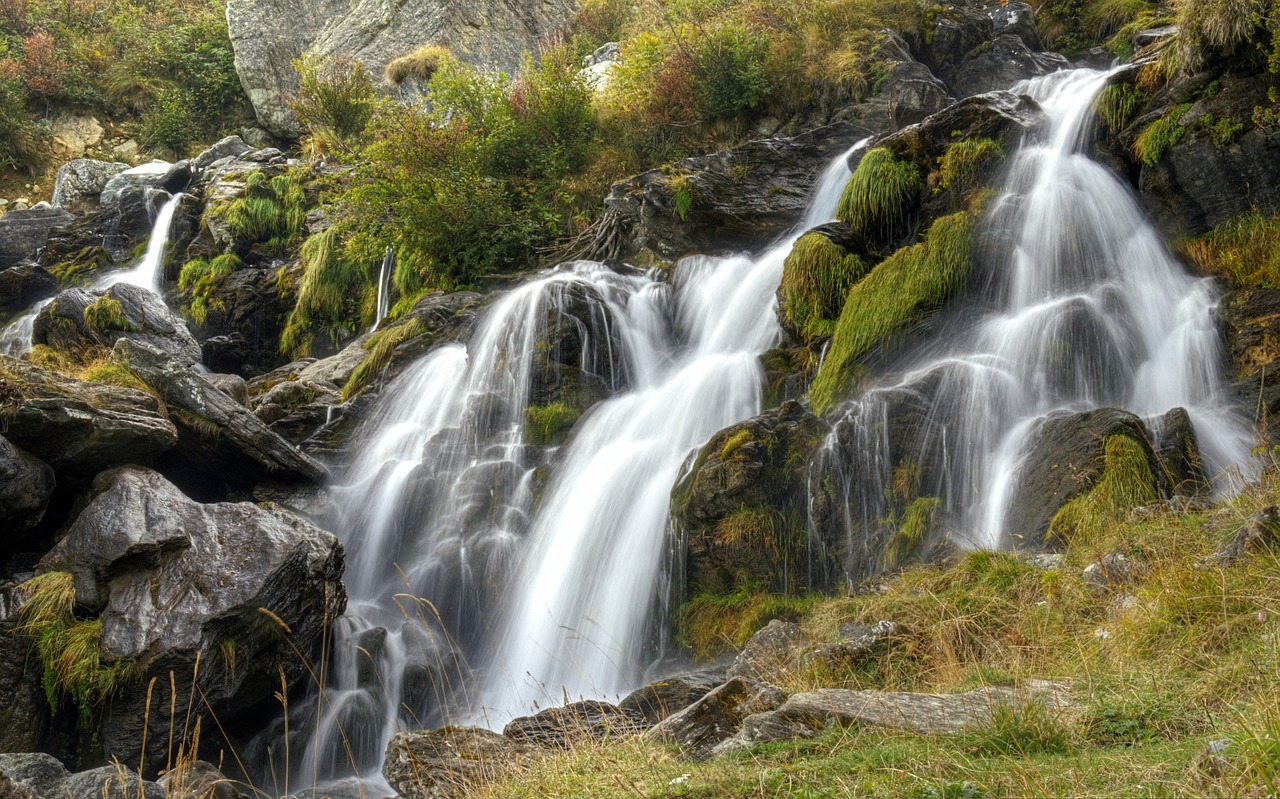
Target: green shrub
pixel 895 294
pixel 201 277
pixel 171 125
pixel 816 278
pixel 335 100
pixel 549 424
pixel 879 194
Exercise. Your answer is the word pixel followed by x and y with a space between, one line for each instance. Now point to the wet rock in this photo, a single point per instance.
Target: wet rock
pixel 717 716
pixel 216 434
pixel 78 319
pixel 42 774
pixel 915 94
pixel 229 147
pixel 1259 533
pixel 146 176
pixel 247 311
pixel 80 183
pixel 755 473
pixel 80 428
pixel 108 237
pixel 1003 62
pixel 774 650
pixel 23 233
pixel 738 198
pixel 234 386
pixel 296 408
pixel 1001 115
pixel 658 700
pixel 175 580
pixel 958 30
pixel 1016 18
pixel 561 726
pixel 22 286
pixel 449 763
pixel 26 484
pixel 24 713
pixel 1179 452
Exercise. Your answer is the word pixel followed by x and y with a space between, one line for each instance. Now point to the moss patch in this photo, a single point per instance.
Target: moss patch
pixel 549 424
pixel 379 347
pixel 709 624
pixel 815 280
pixel 966 162
pixel 1126 482
pixel 201 277
pixel 1160 135
pixel 1117 105
pixel 896 294
pixel 879 194
pixel 106 314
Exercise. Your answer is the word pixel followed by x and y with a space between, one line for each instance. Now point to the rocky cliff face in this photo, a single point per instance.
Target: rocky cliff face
pixel 268 36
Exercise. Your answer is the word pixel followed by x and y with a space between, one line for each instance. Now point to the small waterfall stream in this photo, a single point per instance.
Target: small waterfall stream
pixel 1088 311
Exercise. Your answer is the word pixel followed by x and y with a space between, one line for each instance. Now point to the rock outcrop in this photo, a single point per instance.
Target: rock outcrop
pixel 24 233
pixel 79 319
pixel 449 763
pixel 26 484
pixel 22 286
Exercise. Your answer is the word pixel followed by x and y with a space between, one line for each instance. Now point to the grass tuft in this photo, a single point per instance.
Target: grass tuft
pixel 878 196
pixel 419 65
pixel 709 624
pixel 1127 482
pixel 966 162
pixel 201 277
pixel 1245 250
pixel 379 347
pixel 815 281
pixel 1160 135
pixel 106 314
pixel 545 425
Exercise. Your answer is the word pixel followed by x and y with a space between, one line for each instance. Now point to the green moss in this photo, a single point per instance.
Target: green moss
pixel 909 531
pixel 201 277
pixel 1117 105
pixel 1126 482
pixel 272 212
pixel 1245 250
pixel 106 314
pixel 114 373
pixel 332 293
pixel 879 194
pixel 1160 135
pixel 732 444
pixel 379 347
pixel 545 425
pixel 69 648
pixel 77 269
pixel 966 161
pixel 709 624
pixel 896 294
pixel 815 280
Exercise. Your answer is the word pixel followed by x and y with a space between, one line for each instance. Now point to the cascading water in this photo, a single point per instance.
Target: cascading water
pixel 470 597
pixel 1089 311
pixel 15 338
pixel 384 289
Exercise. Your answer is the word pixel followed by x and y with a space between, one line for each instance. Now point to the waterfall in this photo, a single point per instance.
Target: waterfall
pixel 15 338
pixel 384 289
pixel 488 572
pixel 1088 311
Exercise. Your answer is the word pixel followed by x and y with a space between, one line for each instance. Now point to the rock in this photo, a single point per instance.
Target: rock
pixel 80 428
pixel 1002 116
pixel 245 307
pixel 1004 61
pixel 126 150
pixel 297 408
pixel 740 198
pixel 1047 561
pixel 234 386
pixel 561 726
pixel 105 237
pixel 216 434
pixel 1259 533
pixel 753 472
pixel 914 95
pixel 15 790
pixel 146 176
pixel 42 774
pixel 1064 459
pixel 860 641
pixel 1105 575
pixel 174 579
pixel 449 763
pixel 198 779
pixel 658 700
pixel 229 147
pixel 80 182
pixel 23 233
pixel 109 781
pixel 22 286
pixel 73 134
pixel 773 650
pixel 597 68
pixel 489 35
pixel 1179 452
pixel 1122 605
pixel 1252 331
pixel 77 320
pixel 258 138
pixel 803 715
pixel 717 716
pixel 336 370
pixel 1016 18
pixel 26 484
pixel 1215 762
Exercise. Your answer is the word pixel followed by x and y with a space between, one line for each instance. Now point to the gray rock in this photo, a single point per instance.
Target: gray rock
pixel 1016 18
pixel 491 35
pixel 449 763
pixel 80 182
pixel 1259 533
pixel 146 176
pixel 860 641
pixel 234 386
pixel 562 726
pixel 77 427
pixel 658 700
pixel 15 790
pixel 1002 116
pixel 1005 61
pixel 175 580
pixel 107 237
pixel 1106 574
pixel 774 650
pixel 23 233
pixel 22 286
pixel 914 94
pixel 26 484
pixel 145 318
pixel 24 713
pixel 230 147
pixel 109 782
pixel 699 728
pixel 216 434
pixel 199 780
pixel 42 774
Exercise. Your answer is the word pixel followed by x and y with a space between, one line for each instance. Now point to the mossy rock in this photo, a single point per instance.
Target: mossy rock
pixel 880 195
pixel 816 278
pixel 549 425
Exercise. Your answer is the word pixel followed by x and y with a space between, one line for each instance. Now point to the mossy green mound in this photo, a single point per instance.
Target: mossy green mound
pixel 878 196
pixel 815 281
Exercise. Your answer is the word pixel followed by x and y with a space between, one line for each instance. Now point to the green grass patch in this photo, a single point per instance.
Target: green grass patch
pixel 545 425
pixel 1118 104
pixel 709 624
pixel 106 314
pixel 379 347
pixel 879 194
pixel 815 281
pixel 201 277
pixel 966 162
pixel 1126 482
pixel 1244 250
pixel 1160 135
pixel 734 442
pixel 896 294
pixel 334 295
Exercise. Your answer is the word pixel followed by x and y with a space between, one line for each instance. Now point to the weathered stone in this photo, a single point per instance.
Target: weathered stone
pixel 200 780
pixel 490 35
pixel 234 386
pixel 914 94
pixel 773 650
pixel 175 580
pixel 146 176
pixel 449 763
pixel 1259 533
pixel 76 427
pixel 958 30
pixel 216 434
pixel 109 236
pixel 859 642
pixel 738 198
pixel 109 781
pixel 1002 116
pixel 245 307
pixel 229 147
pixel 1003 62
pixel 26 484
pixel 658 700
pixel 1106 574
pixel 80 182
pixel 43 774
pixel 717 716
pixel 65 327
pixel 561 726
pixel 24 713
pixel 23 233
pixel 74 134
pixel 1179 452
pixel 22 286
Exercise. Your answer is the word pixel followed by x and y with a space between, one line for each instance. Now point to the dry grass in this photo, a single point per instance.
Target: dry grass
pixel 420 65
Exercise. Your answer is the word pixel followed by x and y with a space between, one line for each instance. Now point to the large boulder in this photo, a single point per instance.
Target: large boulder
pixel 80 428
pixel 1003 62
pixel 492 35
pixel 22 286
pixel 1002 116
pixel 79 183
pixel 716 717
pixel 662 698
pixel 109 781
pixel 23 233
pixel 734 199
pixel 112 236
pixel 26 484
pixel 449 763
pixel 146 176
pixel 24 713
pixel 79 319
pixel 247 590
pixel 217 435
pixel 574 722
